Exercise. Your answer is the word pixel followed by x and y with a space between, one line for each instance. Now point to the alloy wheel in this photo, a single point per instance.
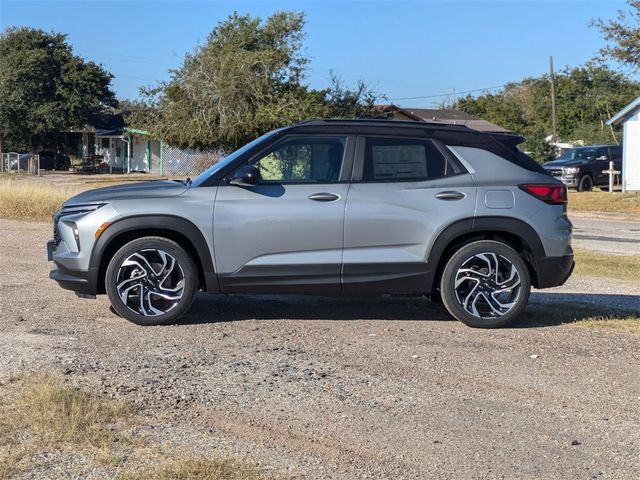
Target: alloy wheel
pixel 150 282
pixel 487 285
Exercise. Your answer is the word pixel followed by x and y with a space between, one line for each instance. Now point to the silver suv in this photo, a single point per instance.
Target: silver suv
pixel 330 207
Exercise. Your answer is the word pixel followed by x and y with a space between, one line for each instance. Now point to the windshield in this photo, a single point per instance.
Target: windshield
pixel 578 154
pixel 216 167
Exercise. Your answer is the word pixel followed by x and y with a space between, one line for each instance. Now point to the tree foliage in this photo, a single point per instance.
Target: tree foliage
pixel 45 89
pixel 586 97
pixel 622 35
pixel 246 79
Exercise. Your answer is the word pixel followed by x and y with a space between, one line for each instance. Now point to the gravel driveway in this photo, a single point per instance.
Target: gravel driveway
pixel 336 388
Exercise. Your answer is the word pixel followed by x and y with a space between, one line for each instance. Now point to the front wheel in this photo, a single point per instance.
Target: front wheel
pixel 151 281
pixel 485 284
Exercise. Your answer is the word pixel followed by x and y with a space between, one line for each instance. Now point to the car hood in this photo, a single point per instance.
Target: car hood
pixel 564 163
pixel 150 189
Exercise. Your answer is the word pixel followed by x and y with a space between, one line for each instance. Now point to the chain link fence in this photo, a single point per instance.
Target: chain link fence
pixel 185 162
pixel 26 163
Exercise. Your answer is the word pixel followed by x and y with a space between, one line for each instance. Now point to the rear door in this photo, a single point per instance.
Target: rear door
pixel 601 158
pixel 286 234
pixel 404 193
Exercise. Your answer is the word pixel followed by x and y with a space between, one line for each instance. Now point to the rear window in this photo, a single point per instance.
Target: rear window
pixel 398 159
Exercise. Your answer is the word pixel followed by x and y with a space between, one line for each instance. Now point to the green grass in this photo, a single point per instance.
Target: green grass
pixel 621 267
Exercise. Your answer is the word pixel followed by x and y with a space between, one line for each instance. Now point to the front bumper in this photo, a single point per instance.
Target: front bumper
pixel 554 271
pixel 80 282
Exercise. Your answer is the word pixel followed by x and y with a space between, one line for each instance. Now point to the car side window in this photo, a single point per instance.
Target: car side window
pixel 398 159
pixel 303 160
pixel 601 153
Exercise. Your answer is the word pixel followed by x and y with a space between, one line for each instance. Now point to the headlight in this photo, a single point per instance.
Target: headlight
pixel 571 169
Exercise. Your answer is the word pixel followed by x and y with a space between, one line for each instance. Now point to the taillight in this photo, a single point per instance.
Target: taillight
pixel 553 194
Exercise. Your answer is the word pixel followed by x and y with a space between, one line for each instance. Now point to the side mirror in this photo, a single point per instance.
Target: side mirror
pixel 247 176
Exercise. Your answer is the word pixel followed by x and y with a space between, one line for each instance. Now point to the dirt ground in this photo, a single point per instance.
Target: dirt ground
pixel 324 388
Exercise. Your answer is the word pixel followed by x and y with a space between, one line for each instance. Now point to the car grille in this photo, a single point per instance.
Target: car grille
pixel 56 232
pixel 556 172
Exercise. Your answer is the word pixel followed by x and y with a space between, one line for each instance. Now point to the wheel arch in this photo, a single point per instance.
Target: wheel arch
pixel 517 234
pixel 178 229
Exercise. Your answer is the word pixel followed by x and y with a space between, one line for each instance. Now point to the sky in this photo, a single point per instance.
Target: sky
pixel 416 53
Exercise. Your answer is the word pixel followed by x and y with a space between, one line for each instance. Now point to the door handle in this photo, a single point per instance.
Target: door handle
pixel 324 197
pixel 450 195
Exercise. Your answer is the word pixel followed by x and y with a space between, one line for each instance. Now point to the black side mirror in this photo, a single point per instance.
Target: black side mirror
pixel 247 176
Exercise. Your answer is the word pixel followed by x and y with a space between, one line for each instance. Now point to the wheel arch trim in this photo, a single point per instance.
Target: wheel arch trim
pixel 180 226
pixel 494 224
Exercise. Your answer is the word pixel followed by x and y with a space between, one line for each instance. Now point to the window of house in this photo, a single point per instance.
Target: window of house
pixel 397 159
pixel 303 160
pixel 105 142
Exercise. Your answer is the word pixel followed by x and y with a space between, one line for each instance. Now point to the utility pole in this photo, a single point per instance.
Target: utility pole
pixel 554 118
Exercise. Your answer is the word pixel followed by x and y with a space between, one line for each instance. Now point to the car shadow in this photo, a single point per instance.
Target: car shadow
pixel 544 309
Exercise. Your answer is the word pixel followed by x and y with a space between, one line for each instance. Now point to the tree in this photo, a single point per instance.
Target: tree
pixel 586 97
pixel 45 89
pixel 246 79
pixel 622 35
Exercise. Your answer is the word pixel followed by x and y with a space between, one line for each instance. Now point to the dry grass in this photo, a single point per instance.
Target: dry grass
pixel 622 267
pixel 198 468
pixel 597 201
pixel 29 200
pixel 42 415
pixel 580 316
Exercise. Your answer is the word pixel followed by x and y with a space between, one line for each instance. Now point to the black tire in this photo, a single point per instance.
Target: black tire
pixel 128 267
pixel 586 184
pixel 466 266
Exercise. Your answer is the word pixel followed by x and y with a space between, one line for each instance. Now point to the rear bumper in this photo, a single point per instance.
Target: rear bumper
pixel 554 271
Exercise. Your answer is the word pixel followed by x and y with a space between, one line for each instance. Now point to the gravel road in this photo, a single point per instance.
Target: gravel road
pixel 341 389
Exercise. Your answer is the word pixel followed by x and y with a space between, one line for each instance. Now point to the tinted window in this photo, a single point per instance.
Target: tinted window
pixel 303 160
pixel 397 159
pixel 578 154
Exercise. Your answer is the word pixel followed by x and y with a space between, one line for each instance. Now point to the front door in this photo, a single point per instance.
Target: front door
pixel 286 233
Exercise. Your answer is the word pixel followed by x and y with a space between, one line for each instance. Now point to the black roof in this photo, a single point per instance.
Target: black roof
pixel 502 144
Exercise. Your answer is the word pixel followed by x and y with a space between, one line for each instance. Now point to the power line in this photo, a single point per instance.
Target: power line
pixel 450 93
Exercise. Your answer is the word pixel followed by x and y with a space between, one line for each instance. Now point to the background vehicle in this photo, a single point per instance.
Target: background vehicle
pixel 582 167
pixel 331 207
pixel 54 161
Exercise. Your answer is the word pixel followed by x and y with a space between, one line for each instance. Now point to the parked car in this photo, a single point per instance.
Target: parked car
pixel 582 167
pixel 54 161
pixel 331 207
pixel 48 161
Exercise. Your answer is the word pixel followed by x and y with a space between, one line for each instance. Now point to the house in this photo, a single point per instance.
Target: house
pixel 123 149
pixel 447 116
pixel 629 118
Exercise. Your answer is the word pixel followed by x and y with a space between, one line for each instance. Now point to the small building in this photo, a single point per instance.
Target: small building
pixel 629 118
pixel 124 149
pixel 446 116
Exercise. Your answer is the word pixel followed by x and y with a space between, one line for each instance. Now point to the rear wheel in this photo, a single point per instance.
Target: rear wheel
pixel 485 284
pixel 151 281
pixel 586 184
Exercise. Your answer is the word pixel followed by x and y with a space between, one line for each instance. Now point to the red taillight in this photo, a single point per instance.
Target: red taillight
pixel 552 194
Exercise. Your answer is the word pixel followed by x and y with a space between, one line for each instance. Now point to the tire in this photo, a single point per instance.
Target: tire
pixel 482 299
pixel 586 184
pixel 162 271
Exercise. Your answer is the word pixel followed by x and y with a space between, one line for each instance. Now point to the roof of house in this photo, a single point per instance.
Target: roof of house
pixel 624 114
pixel 447 116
